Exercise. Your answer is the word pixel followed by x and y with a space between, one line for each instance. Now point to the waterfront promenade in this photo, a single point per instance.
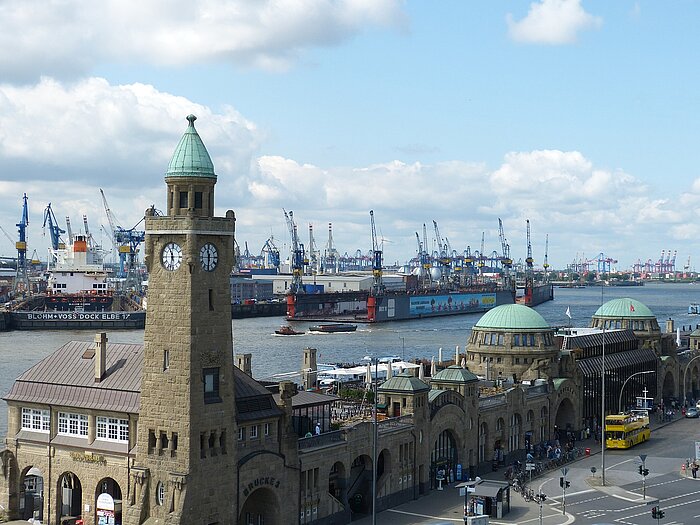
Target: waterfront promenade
pixel 446 506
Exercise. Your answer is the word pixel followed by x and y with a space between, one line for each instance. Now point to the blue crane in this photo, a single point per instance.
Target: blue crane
pixel 21 284
pixel 55 230
pixel 126 242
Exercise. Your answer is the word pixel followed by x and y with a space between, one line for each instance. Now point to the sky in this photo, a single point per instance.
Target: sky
pixel 581 116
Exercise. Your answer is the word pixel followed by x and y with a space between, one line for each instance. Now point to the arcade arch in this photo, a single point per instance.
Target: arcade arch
pixel 668 389
pixel 108 501
pixel 444 455
pixel 262 506
pixel 360 486
pixel 566 415
pixel 69 496
pixel 337 482
pixel 31 496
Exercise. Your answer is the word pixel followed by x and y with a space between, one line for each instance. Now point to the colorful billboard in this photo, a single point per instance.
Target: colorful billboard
pixel 456 302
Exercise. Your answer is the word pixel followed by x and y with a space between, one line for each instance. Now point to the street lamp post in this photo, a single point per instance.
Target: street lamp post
pixel 403 348
pixel 602 411
pixel 619 401
pixel 685 390
pixel 375 361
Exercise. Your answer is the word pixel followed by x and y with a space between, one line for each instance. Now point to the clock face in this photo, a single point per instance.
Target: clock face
pixel 208 257
pixel 172 256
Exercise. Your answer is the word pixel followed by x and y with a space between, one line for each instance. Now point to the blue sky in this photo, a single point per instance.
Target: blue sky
pixel 579 115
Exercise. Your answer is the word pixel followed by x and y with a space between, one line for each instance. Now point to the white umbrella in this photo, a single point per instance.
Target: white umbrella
pixel 432 367
pixel 421 373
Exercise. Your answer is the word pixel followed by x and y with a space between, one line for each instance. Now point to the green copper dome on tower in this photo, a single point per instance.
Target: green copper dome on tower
pixel 191 158
pixel 622 308
pixel 512 317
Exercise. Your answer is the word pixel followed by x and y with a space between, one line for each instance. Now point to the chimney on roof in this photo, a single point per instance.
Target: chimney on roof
pixel 100 355
pixel 243 362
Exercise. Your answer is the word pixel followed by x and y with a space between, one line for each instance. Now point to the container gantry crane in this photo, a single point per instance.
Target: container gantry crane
pixel 21 282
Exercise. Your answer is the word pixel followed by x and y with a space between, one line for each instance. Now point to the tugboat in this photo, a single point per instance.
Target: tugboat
pixel 333 328
pixel 287 330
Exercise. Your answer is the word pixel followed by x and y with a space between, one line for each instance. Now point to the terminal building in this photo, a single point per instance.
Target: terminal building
pixel 173 431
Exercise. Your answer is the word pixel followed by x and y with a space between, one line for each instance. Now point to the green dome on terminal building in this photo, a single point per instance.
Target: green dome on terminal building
pixel 624 307
pixel 512 341
pixel 512 317
pixel 626 313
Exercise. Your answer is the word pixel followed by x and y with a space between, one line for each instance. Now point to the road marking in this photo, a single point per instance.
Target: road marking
pixel 459 520
pixel 620 463
pixel 576 493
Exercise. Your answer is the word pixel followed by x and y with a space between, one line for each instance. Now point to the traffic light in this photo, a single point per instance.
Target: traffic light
pixel 660 514
pixel 655 512
pixel 567 484
pixel 561 481
pixel 645 472
pixel 641 470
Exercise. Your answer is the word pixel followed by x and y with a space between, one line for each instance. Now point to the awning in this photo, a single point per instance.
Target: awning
pixel 593 366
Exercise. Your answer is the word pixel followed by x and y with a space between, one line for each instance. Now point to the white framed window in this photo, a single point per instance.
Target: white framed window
pixel 112 429
pixel 160 493
pixel 267 429
pixel 72 424
pixel 253 431
pixel 241 433
pixel 36 419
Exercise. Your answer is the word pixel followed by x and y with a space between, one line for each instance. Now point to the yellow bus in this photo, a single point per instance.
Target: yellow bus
pixel 626 430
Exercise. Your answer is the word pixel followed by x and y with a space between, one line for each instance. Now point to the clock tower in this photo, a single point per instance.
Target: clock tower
pixel 185 466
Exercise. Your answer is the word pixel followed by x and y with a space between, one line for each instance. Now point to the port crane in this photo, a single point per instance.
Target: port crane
pixel 314 253
pixel 529 265
pixel 443 255
pixel 126 242
pixel 545 264
pixel 377 285
pixel 55 230
pixel 21 282
pixel 506 261
pixel 331 255
pixel 270 254
pixel 296 285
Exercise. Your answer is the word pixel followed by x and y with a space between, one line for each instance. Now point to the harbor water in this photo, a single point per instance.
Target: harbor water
pixel 273 355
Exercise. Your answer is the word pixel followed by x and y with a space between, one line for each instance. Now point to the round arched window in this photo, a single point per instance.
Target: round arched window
pixel 160 493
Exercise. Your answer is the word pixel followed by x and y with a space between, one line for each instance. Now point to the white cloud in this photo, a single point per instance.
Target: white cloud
pixel 552 22
pixel 66 39
pixel 61 142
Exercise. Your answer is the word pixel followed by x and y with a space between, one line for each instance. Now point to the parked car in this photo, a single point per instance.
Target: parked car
pixel 692 412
